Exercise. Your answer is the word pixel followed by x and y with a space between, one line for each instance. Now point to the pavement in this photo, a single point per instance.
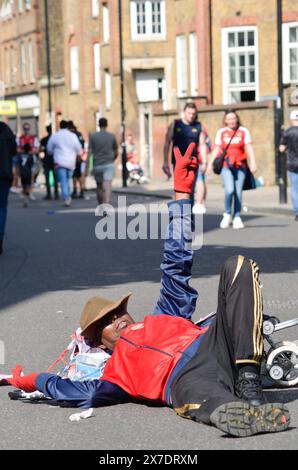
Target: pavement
pixel 53 262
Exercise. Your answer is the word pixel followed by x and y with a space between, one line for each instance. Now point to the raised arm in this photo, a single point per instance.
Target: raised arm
pixel 177 297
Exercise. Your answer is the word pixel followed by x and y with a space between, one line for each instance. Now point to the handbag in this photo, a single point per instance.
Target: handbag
pixel 219 161
pixel 249 182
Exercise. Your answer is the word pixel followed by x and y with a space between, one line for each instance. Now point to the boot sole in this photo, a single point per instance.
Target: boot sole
pixel 243 420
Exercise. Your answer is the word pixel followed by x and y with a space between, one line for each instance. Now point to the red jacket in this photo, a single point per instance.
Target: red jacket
pixel 146 354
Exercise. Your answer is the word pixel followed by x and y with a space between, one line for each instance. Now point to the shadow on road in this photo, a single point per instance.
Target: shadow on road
pixel 48 250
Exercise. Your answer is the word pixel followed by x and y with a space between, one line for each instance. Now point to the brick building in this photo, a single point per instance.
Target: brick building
pixel 209 51
pixel 20 59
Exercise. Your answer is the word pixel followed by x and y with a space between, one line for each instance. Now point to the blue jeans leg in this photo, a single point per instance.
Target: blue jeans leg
pixel 294 190
pixel 239 179
pixel 64 176
pixel 4 192
pixel 228 182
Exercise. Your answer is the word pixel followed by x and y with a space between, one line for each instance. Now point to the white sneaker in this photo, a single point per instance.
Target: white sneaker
pixel 226 220
pixel 32 197
pixel 237 223
pixel 199 209
pixel 67 202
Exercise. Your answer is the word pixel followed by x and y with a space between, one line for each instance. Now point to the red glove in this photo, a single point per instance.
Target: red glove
pixel 185 169
pixel 26 383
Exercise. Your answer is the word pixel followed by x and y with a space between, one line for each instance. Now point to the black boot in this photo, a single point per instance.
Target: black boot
pixel 249 387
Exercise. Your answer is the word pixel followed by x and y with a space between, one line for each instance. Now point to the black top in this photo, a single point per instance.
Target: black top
pixel 290 140
pixel 8 149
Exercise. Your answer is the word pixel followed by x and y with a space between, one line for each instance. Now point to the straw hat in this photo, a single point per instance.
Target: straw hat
pixel 95 309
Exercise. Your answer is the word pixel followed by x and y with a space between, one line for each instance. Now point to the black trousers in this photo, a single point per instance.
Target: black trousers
pixel 47 170
pixel 234 337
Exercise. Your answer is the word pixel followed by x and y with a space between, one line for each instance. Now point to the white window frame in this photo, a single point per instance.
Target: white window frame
pixel 6 10
pixel 95 8
pixel 96 66
pixel 108 89
pixel 227 87
pixel 105 23
pixel 23 63
pixel 74 69
pixel 7 77
pixel 27 5
pixel 181 66
pixel 20 6
pixel 31 62
pixel 286 51
pixel 148 34
pixel 13 67
pixel 193 64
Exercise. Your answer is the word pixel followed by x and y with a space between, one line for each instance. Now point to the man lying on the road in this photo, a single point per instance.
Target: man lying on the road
pixel 209 373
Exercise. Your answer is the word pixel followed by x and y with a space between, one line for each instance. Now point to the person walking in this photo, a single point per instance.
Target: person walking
pixel 289 143
pixel 181 133
pixel 31 139
pixel 65 148
pixel 8 149
pixel 48 165
pixel 239 156
pixel 25 164
pixel 104 147
pixel 80 169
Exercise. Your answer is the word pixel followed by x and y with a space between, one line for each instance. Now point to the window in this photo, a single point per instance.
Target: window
pixel 27 5
pixel 6 10
pixel 106 23
pixel 147 19
pixel 95 8
pixel 290 52
pixel 20 6
pixel 13 67
pixel 96 65
pixel 7 67
pixel 240 64
pixel 150 85
pixel 31 62
pixel 181 59
pixel 108 89
pixel 23 64
pixel 193 64
pixel 74 69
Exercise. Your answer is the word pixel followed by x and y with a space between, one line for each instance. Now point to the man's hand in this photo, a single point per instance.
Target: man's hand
pixel 166 169
pixel 185 170
pixel 26 382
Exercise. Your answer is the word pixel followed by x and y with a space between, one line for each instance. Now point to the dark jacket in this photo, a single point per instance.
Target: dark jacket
pixel 8 148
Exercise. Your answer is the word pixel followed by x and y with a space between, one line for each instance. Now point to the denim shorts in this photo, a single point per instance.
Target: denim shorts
pixel 200 175
pixel 104 172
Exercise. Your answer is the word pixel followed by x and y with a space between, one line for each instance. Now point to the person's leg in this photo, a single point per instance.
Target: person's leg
pixel 107 192
pixel 108 175
pixel 229 186
pixel 239 182
pixel 200 194
pixel 56 183
pixel 47 178
pixel 62 176
pixel 69 174
pixel 4 192
pixel 207 389
pixel 294 190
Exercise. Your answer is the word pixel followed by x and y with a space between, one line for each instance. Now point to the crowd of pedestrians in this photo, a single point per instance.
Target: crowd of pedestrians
pixel 66 158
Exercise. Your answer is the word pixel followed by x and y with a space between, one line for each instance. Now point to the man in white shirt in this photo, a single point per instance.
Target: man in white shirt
pixel 66 148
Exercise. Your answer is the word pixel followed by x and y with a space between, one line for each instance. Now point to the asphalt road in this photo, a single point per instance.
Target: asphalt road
pixel 53 263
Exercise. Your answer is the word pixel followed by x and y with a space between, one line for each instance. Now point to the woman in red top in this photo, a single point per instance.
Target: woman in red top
pixel 235 165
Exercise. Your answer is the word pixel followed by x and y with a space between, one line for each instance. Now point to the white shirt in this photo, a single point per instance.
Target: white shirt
pixel 65 147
